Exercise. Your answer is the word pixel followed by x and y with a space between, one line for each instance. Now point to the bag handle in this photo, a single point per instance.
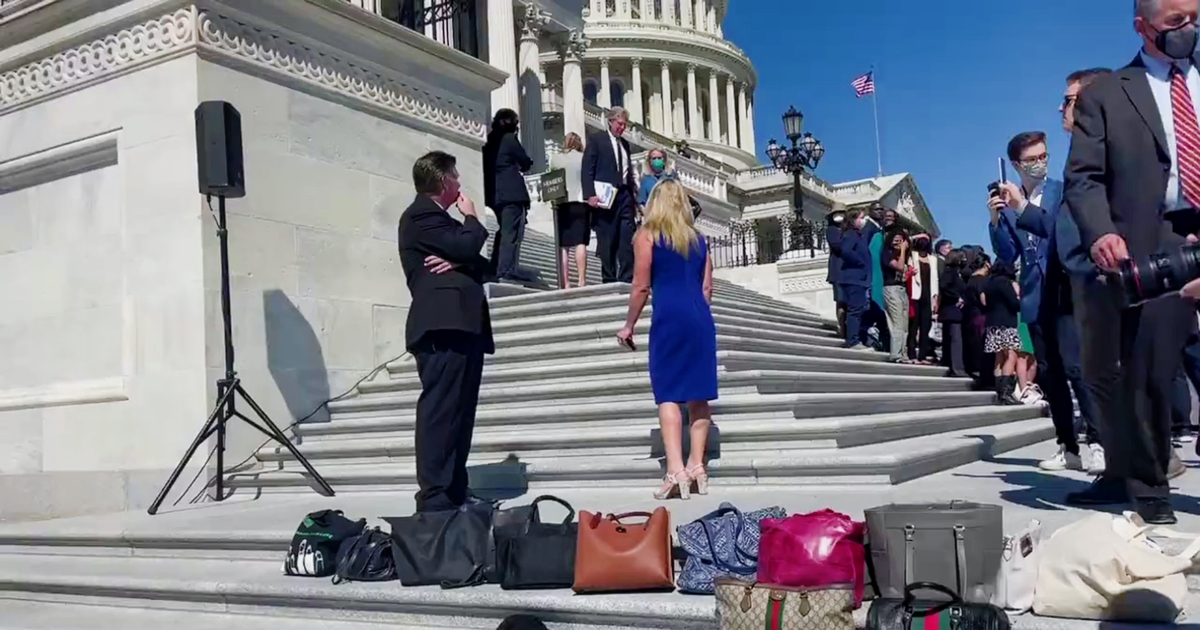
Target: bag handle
pixel 616 518
pixel 712 552
pixel 552 499
pixel 910 592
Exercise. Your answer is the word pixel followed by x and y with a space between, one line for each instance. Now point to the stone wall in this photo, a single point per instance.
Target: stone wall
pixel 798 279
pixel 111 333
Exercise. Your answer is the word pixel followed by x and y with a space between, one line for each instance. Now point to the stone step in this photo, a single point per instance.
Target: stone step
pixel 35 615
pixel 637 382
pixel 785 405
pixel 731 437
pixel 876 463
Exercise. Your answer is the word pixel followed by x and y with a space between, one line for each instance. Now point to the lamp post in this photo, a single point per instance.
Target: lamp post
pixel 805 154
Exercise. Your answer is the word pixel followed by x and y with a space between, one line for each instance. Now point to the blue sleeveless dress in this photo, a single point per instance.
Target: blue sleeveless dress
pixel 683 337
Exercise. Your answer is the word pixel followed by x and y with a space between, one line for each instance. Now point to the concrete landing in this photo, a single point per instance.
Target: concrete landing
pixel 218 559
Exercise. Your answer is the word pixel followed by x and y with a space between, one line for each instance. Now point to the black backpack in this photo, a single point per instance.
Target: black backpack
pixel 314 549
pixel 367 558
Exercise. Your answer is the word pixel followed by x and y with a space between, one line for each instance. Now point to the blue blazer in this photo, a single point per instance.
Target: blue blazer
pixel 856 259
pixel 1011 241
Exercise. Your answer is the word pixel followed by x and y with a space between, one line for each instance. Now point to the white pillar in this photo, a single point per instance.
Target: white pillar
pixel 597 9
pixel 714 108
pixel 502 53
pixel 700 15
pixel 712 18
pixel 693 104
pixel 604 96
pixel 625 9
pixel 750 125
pixel 572 54
pixel 668 11
pixel 647 9
pixel 633 95
pixel 679 108
pixel 743 121
pixel 668 104
pixel 685 13
pixel 731 116
pixel 654 116
pixel 533 132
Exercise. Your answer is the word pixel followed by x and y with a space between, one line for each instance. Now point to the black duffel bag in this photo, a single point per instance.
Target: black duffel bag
pixel 367 558
pixel 899 614
pixel 534 555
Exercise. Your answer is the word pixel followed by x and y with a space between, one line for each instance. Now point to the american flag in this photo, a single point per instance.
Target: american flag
pixel 864 85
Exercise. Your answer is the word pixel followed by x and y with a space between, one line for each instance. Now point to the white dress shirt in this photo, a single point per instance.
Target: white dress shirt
pixel 622 159
pixel 1158 73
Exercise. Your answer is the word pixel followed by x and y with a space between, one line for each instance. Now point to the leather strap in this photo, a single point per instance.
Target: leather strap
pixel 546 497
pixel 960 554
pixel 909 551
pixel 617 517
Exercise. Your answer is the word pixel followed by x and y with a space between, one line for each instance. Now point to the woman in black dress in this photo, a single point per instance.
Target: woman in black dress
pixel 574 225
pixel 952 291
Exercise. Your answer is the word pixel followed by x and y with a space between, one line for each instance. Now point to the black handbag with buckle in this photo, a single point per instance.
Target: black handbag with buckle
pixel 534 555
pixel 898 614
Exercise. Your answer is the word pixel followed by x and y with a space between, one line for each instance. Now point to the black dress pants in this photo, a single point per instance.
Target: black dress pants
pixel 449 364
pixel 1052 378
pixel 614 238
pixel 920 346
pixel 506 246
pixel 952 348
pixel 1130 358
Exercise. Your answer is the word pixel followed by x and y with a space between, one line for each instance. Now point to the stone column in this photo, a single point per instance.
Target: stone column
pixel 668 12
pixel 668 116
pixel 572 52
pixel 597 9
pixel 714 108
pixel 693 104
pixel 502 53
pixel 647 10
pixel 685 13
pixel 625 9
pixel 633 95
pixel 743 122
pixel 731 116
pixel 712 18
pixel 749 146
pixel 701 15
pixel 604 96
pixel 533 132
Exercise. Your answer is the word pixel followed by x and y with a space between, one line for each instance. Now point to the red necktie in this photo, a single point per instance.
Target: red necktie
pixel 1187 137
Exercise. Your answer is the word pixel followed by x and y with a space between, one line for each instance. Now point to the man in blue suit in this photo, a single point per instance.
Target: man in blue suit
pixel 1025 227
pixel 607 160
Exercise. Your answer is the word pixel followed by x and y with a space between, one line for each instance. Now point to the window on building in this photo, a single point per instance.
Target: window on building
pixel 591 92
pixel 616 93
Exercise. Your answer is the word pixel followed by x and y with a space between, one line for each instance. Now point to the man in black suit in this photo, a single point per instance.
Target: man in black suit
pixel 607 159
pixel 449 329
pixel 1124 178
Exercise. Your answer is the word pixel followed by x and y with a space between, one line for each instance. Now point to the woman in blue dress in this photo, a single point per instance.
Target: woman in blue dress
pixel 671 263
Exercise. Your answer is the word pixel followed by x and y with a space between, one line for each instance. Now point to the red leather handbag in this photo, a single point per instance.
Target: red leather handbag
pixel 814 550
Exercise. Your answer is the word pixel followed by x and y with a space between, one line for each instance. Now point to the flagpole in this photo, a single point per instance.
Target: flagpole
pixel 875 106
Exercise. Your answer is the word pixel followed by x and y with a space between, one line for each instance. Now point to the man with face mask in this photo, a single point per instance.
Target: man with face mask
pixel 1024 217
pixel 1135 158
pixel 833 275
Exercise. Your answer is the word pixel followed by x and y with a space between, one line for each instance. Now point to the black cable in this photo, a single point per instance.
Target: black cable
pixel 379 368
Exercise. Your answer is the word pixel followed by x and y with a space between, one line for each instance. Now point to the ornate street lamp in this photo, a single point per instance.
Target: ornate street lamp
pixel 805 154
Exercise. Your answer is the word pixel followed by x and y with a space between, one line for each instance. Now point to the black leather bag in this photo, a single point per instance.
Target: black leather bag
pixel 367 558
pixel 899 614
pixel 534 555
pixel 452 548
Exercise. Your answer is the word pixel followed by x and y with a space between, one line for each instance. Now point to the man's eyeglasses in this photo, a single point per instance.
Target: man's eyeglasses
pixel 1069 100
pixel 1035 159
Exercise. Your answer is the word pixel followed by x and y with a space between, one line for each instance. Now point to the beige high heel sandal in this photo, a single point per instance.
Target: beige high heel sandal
pixel 699 478
pixel 679 481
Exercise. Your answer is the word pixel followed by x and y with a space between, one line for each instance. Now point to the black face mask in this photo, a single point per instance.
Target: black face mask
pixel 1179 42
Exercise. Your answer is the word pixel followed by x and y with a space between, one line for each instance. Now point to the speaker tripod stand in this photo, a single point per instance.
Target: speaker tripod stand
pixel 229 389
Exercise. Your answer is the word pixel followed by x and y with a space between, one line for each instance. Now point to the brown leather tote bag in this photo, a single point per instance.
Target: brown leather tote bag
pixel 613 555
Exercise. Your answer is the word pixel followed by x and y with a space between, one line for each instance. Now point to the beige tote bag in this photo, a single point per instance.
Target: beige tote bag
pixel 1106 567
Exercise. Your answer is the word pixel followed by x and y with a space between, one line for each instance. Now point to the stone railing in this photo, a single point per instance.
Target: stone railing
pixel 692 175
pixel 857 188
pixel 809 181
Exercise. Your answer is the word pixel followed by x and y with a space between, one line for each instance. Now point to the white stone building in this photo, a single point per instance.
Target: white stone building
pixel 111 330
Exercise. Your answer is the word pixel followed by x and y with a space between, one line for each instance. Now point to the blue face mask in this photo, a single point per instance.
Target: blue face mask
pixel 658 164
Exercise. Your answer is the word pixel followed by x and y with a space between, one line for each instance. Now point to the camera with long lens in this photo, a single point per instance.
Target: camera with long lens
pixel 1154 276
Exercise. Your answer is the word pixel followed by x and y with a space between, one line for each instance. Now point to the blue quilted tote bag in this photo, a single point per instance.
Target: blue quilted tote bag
pixel 723 543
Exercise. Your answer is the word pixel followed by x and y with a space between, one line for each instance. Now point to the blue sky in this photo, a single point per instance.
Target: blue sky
pixel 956 79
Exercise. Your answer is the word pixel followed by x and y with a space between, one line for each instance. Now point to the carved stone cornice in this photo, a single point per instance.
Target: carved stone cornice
pixel 532 20
pixel 119 50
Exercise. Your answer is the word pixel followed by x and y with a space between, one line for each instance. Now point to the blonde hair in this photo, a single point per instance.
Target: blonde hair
pixel 573 143
pixel 669 218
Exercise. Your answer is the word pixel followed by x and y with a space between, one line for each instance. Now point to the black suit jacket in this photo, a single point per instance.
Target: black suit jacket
pixel 450 301
pixel 1116 176
pixel 505 163
pixel 600 165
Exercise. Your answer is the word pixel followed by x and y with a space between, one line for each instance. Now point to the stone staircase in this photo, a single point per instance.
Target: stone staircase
pixel 563 404
pixel 562 407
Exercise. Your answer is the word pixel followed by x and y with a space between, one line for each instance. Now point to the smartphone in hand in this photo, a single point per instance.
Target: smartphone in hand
pixel 628 343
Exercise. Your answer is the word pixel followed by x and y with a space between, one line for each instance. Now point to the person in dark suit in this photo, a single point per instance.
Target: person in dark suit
pixel 1124 178
pixel 505 163
pixel 951 292
pixel 449 329
pixel 856 275
pixel 607 159
pixel 833 238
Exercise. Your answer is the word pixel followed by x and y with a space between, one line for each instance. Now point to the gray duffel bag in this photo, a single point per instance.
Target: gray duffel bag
pixel 956 544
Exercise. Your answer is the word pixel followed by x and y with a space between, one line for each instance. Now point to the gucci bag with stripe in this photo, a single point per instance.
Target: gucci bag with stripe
pixel 911 613
pixel 745 605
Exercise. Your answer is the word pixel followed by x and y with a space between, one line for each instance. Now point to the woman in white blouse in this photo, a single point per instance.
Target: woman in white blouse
pixel 574 224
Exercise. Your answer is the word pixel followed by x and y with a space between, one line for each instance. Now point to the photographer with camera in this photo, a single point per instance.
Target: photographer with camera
pixel 1023 228
pixel 1135 161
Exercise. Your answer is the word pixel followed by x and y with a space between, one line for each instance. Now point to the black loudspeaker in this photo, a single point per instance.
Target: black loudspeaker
pixel 219 149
